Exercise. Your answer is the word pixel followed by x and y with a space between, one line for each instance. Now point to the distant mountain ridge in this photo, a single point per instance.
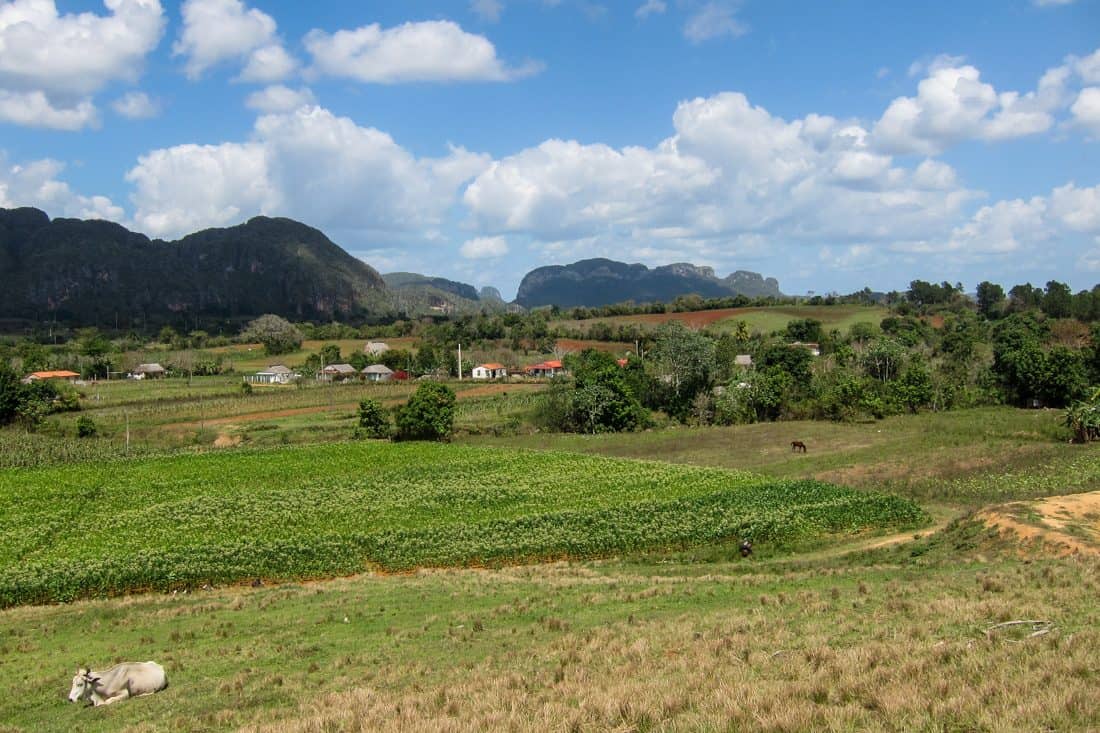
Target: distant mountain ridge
pixel 600 281
pixel 84 272
pixel 416 294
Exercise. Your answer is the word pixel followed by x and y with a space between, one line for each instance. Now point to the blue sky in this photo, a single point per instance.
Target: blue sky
pixel 830 145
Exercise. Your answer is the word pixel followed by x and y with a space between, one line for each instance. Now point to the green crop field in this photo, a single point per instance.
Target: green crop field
pixel 180 521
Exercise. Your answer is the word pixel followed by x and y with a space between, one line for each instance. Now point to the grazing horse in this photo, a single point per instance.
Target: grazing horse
pixel 798 445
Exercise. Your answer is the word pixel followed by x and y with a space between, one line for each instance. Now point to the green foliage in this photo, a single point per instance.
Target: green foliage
pixel 1026 371
pixel 245 389
pixel 761 396
pixel 278 335
pixel 794 361
pixel 310 512
pixel 913 387
pixel 330 354
pixel 428 415
pixel 923 293
pixel 10 393
pixel 602 402
pixel 906 330
pixel 1083 418
pixel 805 330
pixel 883 359
pixel 990 299
pixel 600 399
pixel 683 363
pixel 85 427
pixel 374 421
pixel 1057 300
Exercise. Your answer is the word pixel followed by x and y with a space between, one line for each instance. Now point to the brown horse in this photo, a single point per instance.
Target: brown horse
pixel 798 445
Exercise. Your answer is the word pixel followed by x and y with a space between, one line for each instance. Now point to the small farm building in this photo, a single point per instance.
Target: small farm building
pixel 275 374
pixel 374 348
pixel 378 373
pixel 743 360
pixel 489 371
pixel 148 371
pixel 338 373
pixel 63 375
pixel 544 369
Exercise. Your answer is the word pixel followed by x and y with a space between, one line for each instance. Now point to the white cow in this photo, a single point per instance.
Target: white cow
pixel 128 679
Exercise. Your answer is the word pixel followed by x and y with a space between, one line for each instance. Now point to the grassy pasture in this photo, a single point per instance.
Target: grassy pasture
pixel 891 639
pixel 181 521
pixel 964 458
pixel 763 319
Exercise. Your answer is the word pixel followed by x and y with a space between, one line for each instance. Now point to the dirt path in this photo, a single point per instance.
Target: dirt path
pixel 872 543
pixel 1064 525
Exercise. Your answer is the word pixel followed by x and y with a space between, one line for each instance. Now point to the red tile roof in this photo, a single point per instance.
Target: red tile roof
pixel 493 366
pixel 62 374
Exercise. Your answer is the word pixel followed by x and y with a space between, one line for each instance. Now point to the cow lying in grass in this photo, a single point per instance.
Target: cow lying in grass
pixel 128 679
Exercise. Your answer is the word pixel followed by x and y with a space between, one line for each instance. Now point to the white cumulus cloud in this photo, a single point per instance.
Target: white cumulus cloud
pixel 1086 111
pixel 953 104
pixel 308 164
pixel 52 64
pixel 428 51
pixel 220 31
pixel 279 98
pixel 484 247
pixel 136 106
pixel 37 184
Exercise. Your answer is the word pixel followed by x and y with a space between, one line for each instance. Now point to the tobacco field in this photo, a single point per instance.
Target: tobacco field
pixel 176 522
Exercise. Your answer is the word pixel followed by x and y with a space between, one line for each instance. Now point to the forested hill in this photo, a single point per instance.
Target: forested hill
pixel 598 282
pixel 98 272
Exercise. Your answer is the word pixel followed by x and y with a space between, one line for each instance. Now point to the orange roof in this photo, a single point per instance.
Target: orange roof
pixel 543 365
pixel 493 366
pixel 62 374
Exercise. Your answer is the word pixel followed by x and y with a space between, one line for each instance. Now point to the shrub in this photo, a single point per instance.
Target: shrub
pixel 245 388
pixel 428 415
pixel 85 427
pixel 373 420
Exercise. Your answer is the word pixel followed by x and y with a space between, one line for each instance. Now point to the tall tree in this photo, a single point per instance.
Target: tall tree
pixel 278 335
pixel 990 299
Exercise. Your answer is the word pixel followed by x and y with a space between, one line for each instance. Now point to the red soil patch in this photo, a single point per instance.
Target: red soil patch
pixel 612 347
pixel 1063 525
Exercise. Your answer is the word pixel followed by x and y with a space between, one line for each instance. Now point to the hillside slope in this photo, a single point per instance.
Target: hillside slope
pixel 86 272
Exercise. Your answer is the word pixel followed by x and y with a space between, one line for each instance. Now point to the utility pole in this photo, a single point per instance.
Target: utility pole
pixel 460 362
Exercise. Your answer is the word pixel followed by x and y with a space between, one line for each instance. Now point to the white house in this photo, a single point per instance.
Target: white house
pixel 378 373
pixel 489 371
pixel 813 348
pixel 374 348
pixel 275 374
pixel 550 368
